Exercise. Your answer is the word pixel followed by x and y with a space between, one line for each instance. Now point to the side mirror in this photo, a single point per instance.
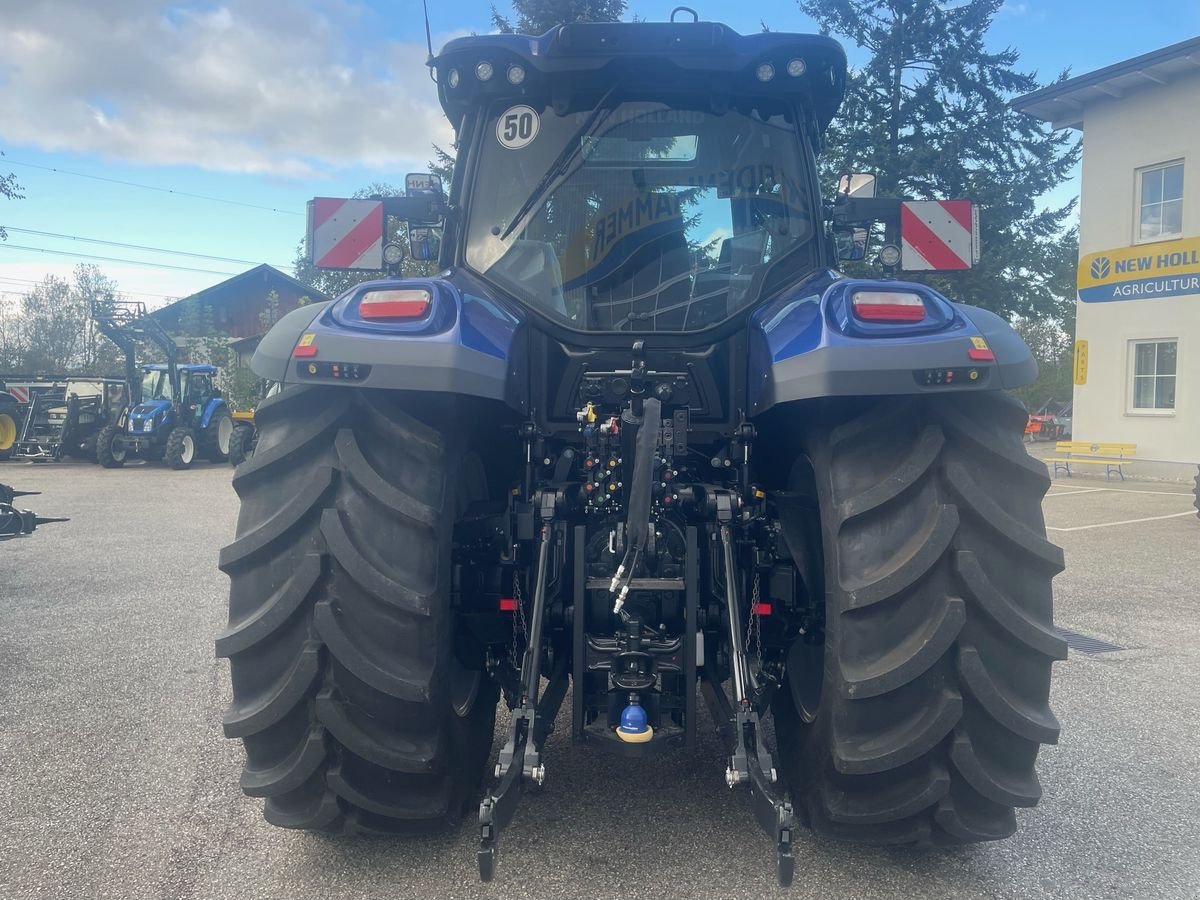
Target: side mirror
pixel 424 239
pixel 416 183
pixel 858 186
pixel 424 243
pixel 852 244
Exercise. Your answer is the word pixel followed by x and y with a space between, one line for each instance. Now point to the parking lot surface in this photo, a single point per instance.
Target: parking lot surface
pixel 117 781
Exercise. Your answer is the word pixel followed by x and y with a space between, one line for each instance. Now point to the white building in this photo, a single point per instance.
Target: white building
pixel 1139 248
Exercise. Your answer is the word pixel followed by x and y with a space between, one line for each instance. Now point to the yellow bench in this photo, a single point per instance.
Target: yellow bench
pixel 1087 453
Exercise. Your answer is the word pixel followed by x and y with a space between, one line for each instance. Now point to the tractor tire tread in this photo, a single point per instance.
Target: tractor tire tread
pixel 339 629
pixel 939 634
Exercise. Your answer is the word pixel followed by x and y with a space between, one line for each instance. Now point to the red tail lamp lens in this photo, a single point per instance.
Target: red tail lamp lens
pixel 888 306
pixel 407 303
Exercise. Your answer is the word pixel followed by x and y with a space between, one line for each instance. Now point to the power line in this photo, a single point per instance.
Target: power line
pixel 133 262
pixel 150 187
pixel 75 237
pixel 26 283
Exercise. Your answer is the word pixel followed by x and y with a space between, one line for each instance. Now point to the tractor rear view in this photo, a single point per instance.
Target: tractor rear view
pixel 640 439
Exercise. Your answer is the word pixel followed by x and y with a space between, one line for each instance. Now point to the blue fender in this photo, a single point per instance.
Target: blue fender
pixel 463 344
pixel 807 343
pixel 214 406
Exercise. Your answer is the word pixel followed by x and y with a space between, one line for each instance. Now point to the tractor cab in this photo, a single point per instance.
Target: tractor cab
pixel 649 177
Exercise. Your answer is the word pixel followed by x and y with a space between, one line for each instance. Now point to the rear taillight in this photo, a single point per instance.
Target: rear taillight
pixel 406 303
pixel 888 306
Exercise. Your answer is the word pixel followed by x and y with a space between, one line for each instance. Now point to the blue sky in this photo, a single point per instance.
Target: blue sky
pixel 267 103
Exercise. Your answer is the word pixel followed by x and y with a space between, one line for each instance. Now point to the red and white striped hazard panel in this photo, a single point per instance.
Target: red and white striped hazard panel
pixel 345 234
pixel 21 393
pixel 938 235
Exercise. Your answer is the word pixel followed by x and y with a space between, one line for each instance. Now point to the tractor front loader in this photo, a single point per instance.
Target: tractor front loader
pixel 175 412
pixel 638 446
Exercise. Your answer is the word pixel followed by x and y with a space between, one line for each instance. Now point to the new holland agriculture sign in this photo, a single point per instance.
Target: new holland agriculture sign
pixel 1145 272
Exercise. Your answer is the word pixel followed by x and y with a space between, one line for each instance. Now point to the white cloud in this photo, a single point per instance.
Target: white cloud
pixel 285 87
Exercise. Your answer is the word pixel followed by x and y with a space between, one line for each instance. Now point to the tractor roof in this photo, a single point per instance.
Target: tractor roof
pixel 705 58
pixel 199 368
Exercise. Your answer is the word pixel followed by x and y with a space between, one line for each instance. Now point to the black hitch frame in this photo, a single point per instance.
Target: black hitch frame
pixel 532 719
pixel 738 724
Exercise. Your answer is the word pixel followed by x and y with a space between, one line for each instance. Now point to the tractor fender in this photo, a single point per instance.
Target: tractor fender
pixel 274 351
pixel 465 345
pixel 214 406
pixel 805 345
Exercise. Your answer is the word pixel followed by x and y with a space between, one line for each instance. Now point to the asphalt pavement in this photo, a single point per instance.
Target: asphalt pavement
pixel 117 781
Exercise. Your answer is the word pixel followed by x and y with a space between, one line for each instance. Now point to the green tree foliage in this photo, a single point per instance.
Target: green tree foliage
pixel 50 329
pixel 539 16
pixel 333 282
pixel 1054 351
pixel 929 115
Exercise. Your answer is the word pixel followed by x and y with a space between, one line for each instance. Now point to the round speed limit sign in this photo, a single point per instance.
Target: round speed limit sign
pixel 517 127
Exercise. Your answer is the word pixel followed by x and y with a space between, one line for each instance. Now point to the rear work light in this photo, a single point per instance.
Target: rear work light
pixel 888 306
pixel 406 303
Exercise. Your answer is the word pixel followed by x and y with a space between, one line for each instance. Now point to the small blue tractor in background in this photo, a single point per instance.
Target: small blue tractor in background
pixel 175 413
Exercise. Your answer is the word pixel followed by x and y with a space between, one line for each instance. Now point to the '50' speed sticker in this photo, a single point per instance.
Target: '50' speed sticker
pixel 517 127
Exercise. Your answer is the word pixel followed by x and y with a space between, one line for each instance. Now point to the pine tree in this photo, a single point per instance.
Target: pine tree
pixel 539 16
pixel 929 115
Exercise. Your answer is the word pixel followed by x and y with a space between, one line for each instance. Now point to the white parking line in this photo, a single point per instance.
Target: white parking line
pixel 1119 491
pixel 1073 493
pixel 1190 512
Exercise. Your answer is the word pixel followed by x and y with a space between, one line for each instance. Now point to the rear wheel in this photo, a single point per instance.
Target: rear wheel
pixel 217 435
pixel 920 718
pixel 110 452
pixel 355 711
pixel 241 444
pixel 9 415
pixel 180 449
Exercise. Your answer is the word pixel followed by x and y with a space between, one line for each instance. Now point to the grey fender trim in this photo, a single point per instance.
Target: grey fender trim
pixel 274 351
pixel 396 364
pixel 878 368
pixel 1017 365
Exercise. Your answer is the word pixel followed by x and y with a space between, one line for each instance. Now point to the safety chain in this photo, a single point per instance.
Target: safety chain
pixel 754 623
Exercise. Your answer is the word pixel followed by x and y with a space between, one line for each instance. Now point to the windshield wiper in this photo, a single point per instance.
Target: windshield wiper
pixel 559 167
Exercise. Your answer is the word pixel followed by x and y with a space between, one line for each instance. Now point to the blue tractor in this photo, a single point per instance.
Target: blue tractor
pixel 636 444
pixel 175 413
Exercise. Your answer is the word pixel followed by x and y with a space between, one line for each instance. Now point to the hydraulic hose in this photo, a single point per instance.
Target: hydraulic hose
pixel 641 487
pixel 637 526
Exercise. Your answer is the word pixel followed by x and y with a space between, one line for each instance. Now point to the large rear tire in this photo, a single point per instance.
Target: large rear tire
pixel 218 435
pixel 926 722
pixel 355 711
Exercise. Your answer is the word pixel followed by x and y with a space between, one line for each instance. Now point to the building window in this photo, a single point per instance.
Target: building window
pixel 1160 202
pixel 1154 375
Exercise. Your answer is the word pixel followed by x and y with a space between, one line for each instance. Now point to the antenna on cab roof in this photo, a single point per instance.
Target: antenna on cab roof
pixel 428 40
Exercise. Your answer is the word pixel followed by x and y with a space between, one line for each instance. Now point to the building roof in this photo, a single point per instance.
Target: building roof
pixel 202 368
pixel 227 291
pixel 1062 104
